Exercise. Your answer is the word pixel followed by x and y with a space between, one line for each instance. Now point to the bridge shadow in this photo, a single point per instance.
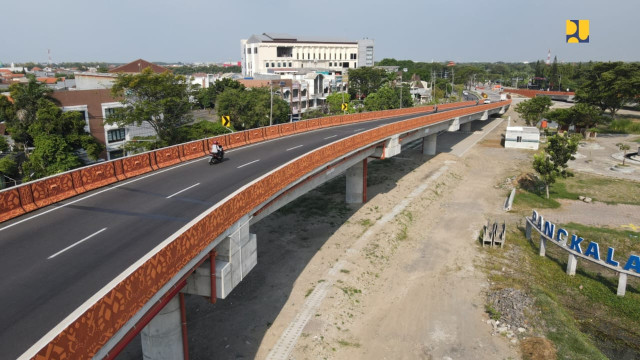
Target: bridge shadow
pixel 288 240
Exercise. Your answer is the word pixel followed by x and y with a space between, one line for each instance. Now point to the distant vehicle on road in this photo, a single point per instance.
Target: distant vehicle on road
pixel 487 101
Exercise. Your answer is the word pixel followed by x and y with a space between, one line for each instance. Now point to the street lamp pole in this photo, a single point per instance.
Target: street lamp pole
pixel 271 108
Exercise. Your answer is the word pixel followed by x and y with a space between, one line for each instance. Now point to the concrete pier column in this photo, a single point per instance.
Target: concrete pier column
pixel 429 144
pixel 357 183
pixel 466 127
pixel 162 337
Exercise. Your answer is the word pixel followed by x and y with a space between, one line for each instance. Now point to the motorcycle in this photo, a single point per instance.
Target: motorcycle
pixel 217 157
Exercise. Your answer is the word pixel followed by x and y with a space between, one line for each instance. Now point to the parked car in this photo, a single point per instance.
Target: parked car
pixel 487 101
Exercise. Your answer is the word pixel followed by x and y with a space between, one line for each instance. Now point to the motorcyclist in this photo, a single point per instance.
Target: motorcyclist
pixel 217 150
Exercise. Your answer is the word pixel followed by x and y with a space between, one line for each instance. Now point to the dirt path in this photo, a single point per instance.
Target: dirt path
pixel 619 216
pixel 392 279
pixel 411 289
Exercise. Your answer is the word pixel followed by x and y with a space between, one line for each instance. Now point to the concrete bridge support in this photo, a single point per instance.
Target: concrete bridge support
pixel 466 127
pixel 162 337
pixel 357 183
pixel 429 144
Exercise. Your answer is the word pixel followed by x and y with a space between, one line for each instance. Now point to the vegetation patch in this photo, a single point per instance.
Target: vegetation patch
pixel 581 314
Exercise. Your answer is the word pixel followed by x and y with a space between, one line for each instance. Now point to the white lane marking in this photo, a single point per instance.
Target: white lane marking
pixel 77 243
pixel 289 337
pixel 356 130
pixel 249 163
pixel 183 190
pixel 329 137
pixel 295 147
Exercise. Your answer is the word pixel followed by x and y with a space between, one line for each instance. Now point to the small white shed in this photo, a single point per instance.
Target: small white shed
pixel 522 137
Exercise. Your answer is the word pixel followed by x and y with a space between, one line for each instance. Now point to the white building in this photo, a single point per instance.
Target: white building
pixel 522 137
pixel 285 54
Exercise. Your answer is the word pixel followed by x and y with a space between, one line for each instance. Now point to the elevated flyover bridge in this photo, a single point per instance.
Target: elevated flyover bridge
pixel 89 257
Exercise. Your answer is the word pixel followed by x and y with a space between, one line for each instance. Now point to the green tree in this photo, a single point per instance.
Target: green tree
pixel 366 80
pixel 51 120
pixel 52 155
pixel 207 96
pixel 623 147
pixel 9 167
pixel 553 162
pixel 580 115
pixel 533 109
pixel 251 108
pixel 202 129
pixel 335 100
pixel 610 85
pixel 161 100
pixel 4 146
pixel 25 100
pixel 383 99
pixel 543 165
pixel 7 112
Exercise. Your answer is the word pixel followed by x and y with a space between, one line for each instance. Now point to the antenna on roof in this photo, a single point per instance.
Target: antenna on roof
pixel 549 57
pixel 49 56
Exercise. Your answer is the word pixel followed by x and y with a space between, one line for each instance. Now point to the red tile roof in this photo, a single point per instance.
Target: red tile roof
pixel 47 80
pixel 137 66
pixel 35 68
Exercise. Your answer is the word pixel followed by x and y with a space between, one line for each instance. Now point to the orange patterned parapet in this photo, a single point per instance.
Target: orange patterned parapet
pixel 92 329
pixel 534 93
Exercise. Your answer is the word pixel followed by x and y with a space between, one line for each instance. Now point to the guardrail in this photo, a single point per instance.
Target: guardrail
pixel 546 230
pixel 85 335
pixel 534 93
pixel 39 193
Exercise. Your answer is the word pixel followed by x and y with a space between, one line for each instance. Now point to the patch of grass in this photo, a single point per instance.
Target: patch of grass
pixel 350 291
pixel 344 271
pixel 309 291
pixel 526 201
pixel 581 314
pixel 493 313
pixel 366 222
pixel 599 188
pixel 347 343
pixel 622 126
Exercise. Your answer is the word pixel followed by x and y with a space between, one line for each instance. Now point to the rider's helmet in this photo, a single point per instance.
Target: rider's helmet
pixel 215 142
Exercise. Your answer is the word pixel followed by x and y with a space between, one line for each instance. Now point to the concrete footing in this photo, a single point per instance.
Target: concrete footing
pixel 162 337
pixel 357 183
pixel 572 262
pixel 622 284
pixel 429 144
pixel 466 127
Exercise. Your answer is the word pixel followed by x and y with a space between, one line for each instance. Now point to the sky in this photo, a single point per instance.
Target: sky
pixel 420 30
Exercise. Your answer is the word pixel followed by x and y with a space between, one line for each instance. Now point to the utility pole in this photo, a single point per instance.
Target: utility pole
pixel 271 112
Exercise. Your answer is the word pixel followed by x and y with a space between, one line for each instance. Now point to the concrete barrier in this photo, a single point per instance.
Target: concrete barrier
pixel 136 165
pixel 26 198
pixel 10 205
pixel 167 156
pixel 53 189
pixel 119 170
pixel 97 176
pixel 237 139
pixel 223 140
pixel 313 124
pixel 192 150
pixel 255 135
pixel 271 132
pixel 300 126
pixel 286 129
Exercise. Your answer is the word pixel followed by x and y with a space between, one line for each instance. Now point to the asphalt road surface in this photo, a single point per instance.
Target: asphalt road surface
pixel 56 258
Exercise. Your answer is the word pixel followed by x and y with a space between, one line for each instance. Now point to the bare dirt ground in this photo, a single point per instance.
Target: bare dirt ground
pixel 394 278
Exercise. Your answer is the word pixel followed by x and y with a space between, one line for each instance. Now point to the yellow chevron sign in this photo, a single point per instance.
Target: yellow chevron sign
pixel 226 120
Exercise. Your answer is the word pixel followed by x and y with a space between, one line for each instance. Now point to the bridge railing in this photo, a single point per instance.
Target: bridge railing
pixel 534 93
pixel 39 193
pixel 87 333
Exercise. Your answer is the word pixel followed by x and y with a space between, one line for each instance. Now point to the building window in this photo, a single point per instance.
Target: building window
pixel 116 154
pixel 116 135
pixel 325 56
pixel 297 56
pixel 330 64
pixel 255 51
pixel 248 50
pixel 108 112
pixel 279 64
pixel 519 139
pixel 340 56
pixel 284 51
pixel 353 56
pixel 273 64
pixel 290 65
pixel 266 64
pixel 309 56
